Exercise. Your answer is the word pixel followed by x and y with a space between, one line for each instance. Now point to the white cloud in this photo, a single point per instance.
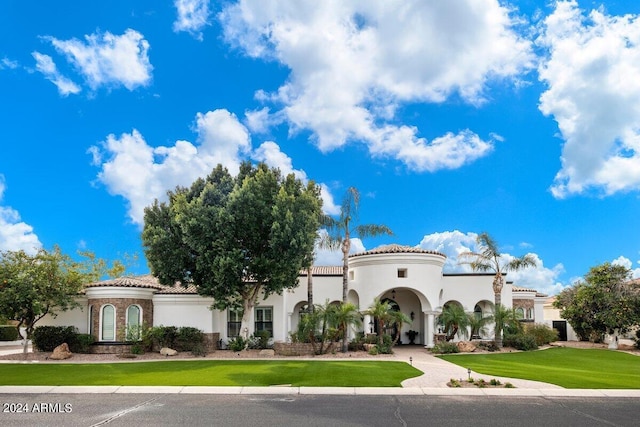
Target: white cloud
pixel 15 234
pixel 334 257
pixel 593 77
pixel 141 173
pixel 269 152
pixel 193 16
pixel 453 243
pixel 626 262
pixel 353 64
pixel 45 65
pixel 8 64
pixel 109 60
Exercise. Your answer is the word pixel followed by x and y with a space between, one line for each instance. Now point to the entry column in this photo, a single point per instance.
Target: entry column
pixel 429 327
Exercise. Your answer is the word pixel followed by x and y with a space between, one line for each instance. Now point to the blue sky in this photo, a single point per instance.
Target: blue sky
pixel 521 119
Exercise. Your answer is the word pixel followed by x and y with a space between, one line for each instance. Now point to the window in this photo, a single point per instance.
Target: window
pixel 520 313
pixel 134 321
pixel 108 323
pixel 264 319
pixel 530 313
pixel 352 275
pixel 477 312
pixel 402 273
pixel 234 320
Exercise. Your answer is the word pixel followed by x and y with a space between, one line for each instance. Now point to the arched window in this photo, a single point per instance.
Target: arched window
pixel 134 321
pixel 477 312
pixel 108 323
pixel 520 313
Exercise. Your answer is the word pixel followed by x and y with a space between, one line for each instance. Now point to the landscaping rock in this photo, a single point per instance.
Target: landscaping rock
pixel 267 352
pixel 166 351
pixel 61 352
pixel 466 347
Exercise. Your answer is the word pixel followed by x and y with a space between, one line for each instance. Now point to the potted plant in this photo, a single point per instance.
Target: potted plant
pixel 412 336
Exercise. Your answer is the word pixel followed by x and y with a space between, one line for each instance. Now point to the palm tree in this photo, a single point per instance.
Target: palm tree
pixel 345 316
pixel 507 319
pixel 340 232
pixel 478 324
pixel 454 321
pixel 489 259
pixel 398 319
pixel 381 311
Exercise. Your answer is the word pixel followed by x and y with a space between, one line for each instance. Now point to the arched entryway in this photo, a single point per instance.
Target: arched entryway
pixel 413 305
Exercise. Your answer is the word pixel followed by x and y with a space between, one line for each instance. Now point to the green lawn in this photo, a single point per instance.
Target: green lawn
pixel 566 367
pixel 212 373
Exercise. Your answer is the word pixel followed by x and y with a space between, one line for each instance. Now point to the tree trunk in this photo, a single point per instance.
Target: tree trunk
pixel 248 303
pixel 613 343
pixel 25 340
pixel 346 245
pixel 497 290
pixel 310 289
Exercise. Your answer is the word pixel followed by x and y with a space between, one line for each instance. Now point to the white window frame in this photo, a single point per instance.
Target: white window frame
pixel 127 320
pixel 102 338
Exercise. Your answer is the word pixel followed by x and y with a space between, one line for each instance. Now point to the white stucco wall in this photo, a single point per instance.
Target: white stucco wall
pixel 184 310
pixel 77 317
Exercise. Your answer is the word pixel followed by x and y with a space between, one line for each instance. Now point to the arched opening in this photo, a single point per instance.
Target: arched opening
pixel 108 323
pixel 134 323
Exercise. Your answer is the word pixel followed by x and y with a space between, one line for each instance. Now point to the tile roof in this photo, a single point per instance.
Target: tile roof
pixel 397 249
pixel 145 281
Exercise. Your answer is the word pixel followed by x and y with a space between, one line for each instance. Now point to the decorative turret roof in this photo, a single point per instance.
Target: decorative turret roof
pixel 397 249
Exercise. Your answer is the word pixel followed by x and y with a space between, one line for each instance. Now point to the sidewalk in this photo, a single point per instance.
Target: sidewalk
pixel 433 382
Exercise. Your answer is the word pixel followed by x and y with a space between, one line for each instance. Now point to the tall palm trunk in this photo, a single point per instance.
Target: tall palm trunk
pixel 497 295
pixel 310 289
pixel 346 245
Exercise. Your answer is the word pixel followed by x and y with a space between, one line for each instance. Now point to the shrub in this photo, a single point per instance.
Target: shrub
pixel 198 350
pixel 137 349
pixel 445 348
pixel 46 338
pixel 188 338
pixel 489 346
pixel 81 343
pixel 543 334
pixel 259 340
pixel 164 336
pixel 373 350
pixel 387 344
pixel 637 338
pixel 237 344
pixel 521 341
pixel 8 333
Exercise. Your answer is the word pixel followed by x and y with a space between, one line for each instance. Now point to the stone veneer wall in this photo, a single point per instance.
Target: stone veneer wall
pixel 121 305
pixel 293 349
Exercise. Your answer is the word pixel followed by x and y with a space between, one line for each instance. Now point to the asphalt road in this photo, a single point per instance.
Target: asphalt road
pixel 312 410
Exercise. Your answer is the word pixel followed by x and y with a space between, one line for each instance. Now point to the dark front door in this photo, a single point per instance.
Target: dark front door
pixel 561 327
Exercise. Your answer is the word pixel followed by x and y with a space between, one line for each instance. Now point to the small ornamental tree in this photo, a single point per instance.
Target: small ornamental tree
pixel 605 302
pixel 32 286
pixel 235 238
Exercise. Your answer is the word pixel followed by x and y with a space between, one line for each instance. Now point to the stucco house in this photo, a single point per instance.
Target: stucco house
pixel 411 279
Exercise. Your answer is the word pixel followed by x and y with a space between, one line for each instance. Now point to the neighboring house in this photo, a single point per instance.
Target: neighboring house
pixel 411 279
pixel 553 319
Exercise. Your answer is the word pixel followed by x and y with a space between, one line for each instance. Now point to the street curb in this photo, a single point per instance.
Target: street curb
pixel 343 391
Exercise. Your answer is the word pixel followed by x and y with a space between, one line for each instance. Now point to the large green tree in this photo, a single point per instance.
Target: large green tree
pixel 342 229
pixel 606 301
pixel 489 259
pixel 235 238
pixel 47 282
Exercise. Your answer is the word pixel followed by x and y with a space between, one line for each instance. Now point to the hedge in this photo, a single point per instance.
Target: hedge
pixel 8 333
